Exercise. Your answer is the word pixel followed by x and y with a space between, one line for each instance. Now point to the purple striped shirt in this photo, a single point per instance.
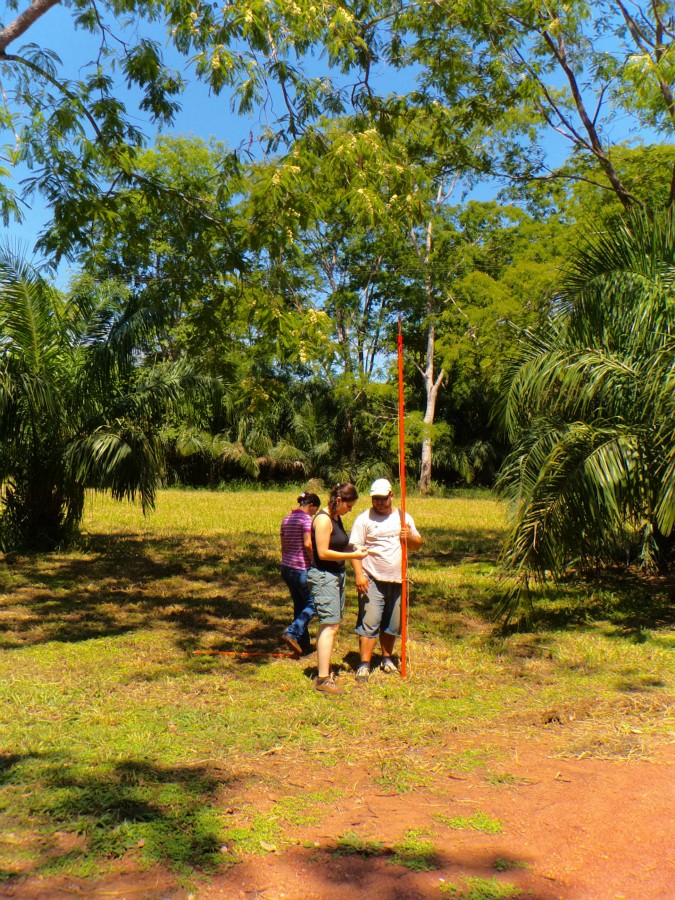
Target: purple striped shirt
pixel 293 554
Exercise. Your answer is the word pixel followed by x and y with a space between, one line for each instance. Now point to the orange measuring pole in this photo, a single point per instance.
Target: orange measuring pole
pixel 401 477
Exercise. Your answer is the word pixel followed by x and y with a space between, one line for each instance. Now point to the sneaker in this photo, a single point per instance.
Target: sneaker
pixel 363 673
pixel 291 641
pixel 388 665
pixel 328 685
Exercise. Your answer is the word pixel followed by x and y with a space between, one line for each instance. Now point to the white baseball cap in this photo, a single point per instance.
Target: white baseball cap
pixel 380 488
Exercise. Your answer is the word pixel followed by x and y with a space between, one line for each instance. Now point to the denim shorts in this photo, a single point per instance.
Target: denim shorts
pixel 328 592
pixel 379 609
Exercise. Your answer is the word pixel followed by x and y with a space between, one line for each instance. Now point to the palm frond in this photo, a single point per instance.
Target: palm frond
pixel 590 408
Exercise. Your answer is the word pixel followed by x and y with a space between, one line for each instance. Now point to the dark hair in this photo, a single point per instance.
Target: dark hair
pixel 306 499
pixel 346 492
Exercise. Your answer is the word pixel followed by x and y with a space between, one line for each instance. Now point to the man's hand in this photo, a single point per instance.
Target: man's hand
pixel 413 542
pixel 362 582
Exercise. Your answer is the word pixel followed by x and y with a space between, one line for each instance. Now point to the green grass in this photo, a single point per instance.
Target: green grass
pixel 506 865
pixel 352 844
pixel 415 852
pixel 479 821
pixel 474 888
pixel 118 742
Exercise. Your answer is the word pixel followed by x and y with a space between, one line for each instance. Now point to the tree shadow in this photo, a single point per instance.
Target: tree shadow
pixel 158 814
pixel 628 603
pixel 369 867
pixel 444 547
pixel 9 762
pixel 120 584
pixel 226 593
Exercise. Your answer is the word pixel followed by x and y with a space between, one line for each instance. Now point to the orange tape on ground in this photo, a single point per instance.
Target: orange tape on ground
pixel 245 653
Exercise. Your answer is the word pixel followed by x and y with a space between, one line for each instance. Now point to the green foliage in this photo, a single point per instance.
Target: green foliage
pixel 295 269
pixel 510 68
pixel 76 408
pixel 485 82
pixel 646 171
pixel 590 410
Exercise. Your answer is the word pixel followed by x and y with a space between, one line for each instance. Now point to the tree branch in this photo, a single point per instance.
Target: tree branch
pixel 643 44
pixel 23 22
pixel 558 51
pixel 11 57
pixel 571 134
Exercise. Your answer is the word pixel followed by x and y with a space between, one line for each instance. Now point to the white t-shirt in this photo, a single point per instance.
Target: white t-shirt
pixel 380 534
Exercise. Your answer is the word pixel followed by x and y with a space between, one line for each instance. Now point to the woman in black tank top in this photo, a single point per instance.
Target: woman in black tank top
pixel 326 577
pixel 338 541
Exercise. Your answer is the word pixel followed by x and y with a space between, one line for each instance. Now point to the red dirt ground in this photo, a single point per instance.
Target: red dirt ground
pixel 576 829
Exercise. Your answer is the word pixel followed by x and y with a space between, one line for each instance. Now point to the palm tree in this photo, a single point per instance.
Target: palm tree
pixel 590 411
pixel 79 406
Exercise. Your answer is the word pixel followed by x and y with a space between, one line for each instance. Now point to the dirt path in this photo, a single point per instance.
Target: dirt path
pixel 583 829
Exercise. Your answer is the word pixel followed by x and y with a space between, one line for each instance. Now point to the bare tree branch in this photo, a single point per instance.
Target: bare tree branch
pixel 558 50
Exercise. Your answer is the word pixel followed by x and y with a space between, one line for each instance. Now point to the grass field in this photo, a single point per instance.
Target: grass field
pixel 118 740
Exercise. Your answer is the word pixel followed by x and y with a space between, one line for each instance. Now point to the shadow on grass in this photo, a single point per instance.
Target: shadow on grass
pixel 627 601
pixel 225 592
pixel 166 815
pixel 125 583
pixel 629 604
pixel 7 763
pixel 444 547
pixel 227 595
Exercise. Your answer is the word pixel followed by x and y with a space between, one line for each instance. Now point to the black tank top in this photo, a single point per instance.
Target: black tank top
pixel 339 541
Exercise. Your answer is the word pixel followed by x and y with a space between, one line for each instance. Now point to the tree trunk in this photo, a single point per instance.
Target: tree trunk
pixel 432 387
pixel 425 468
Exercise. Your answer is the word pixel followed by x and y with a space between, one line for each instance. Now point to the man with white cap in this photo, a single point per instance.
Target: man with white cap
pixel 378 576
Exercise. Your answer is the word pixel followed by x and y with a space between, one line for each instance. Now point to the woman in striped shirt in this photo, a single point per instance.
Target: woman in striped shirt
pixel 296 555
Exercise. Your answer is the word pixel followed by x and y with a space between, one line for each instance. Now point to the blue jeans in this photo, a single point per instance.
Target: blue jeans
pixel 303 605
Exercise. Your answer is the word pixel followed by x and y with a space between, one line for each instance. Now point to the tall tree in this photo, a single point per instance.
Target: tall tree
pixel 361 225
pixel 590 410
pixel 75 134
pixel 318 214
pixel 516 66
pixel 173 264
pixel 201 274
pixel 197 271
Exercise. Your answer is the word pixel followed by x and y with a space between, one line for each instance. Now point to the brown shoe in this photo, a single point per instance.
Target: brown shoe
pixel 292 643
pixel 328 685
